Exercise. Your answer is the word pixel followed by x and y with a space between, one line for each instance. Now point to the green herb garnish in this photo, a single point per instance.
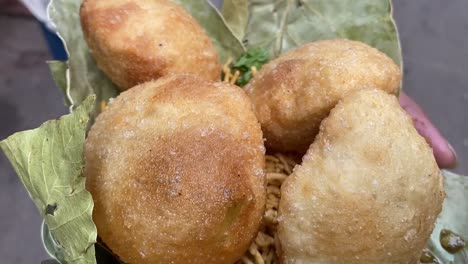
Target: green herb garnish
pixel 250 61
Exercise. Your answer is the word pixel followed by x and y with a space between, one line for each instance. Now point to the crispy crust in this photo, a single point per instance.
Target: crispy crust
pixel 368 190
pixel 138 41
pixel 175 168
pixel 293 93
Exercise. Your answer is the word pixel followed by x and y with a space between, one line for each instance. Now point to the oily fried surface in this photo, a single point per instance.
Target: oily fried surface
pixel 175 168
pixel 141 40
pixel 368 190
pixel 293 93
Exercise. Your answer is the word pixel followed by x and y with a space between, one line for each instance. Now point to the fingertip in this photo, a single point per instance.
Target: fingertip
pixel 446 156
pixel 444 153
pixel 454 159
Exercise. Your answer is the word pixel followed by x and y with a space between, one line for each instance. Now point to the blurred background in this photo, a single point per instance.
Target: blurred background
pixel 434 37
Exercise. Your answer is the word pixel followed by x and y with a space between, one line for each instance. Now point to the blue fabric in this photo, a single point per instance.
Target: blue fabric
pixel 54 43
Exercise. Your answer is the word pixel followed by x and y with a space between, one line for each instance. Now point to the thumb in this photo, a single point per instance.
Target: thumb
pixel 443 151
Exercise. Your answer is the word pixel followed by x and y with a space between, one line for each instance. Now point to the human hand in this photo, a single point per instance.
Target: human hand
pixel 443 152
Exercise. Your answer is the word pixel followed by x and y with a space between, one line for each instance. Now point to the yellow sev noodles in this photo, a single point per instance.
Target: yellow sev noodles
pixel 264 248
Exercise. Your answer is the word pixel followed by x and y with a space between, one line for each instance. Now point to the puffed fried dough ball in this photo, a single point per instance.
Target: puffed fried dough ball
pixel 368 190
pixel 134 41
pixel 175 168
pixel 293 93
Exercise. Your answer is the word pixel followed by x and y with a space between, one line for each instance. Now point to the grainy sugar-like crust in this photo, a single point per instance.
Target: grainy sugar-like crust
pixel 293 93
pixel 175 168
pixel 142 40
pixel 265 248
pixel 368 190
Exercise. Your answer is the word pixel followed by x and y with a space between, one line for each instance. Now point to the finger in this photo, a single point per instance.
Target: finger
pixel 443 151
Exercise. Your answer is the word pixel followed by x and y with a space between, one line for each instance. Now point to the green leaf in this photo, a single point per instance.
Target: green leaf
pixel 49 162
pixel 210 19
pixel 50 245
pixel 58 70
pixel 236 15
pixel 285 24
pixel 103 255
pixel 454 216
pixel 81 74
